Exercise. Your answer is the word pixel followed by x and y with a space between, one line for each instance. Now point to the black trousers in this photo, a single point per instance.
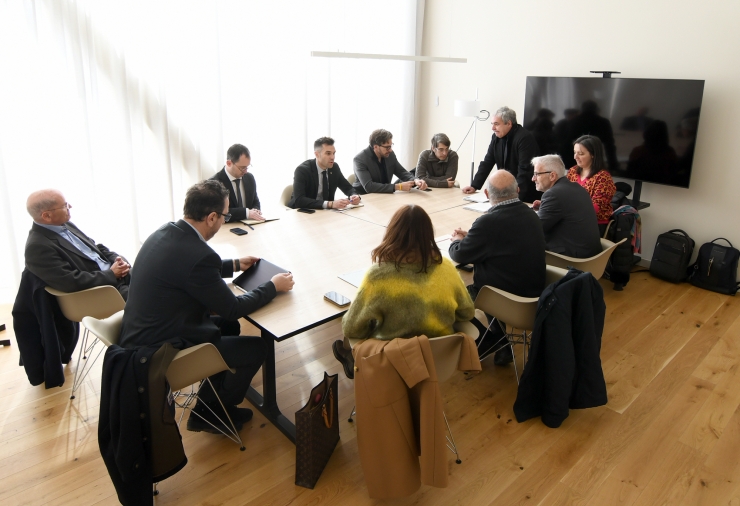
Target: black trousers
pixel 245 354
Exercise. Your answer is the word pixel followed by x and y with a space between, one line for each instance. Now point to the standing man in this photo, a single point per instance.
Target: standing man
pixel 566 212
pixel 507 248
pixel 62 256
pixel 315 181
pixel 512 148
pixel 376 165
pixel 437 166
pixel 176 287
pixel 244 204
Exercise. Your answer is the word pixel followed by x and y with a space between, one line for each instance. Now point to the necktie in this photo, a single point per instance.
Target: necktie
pixel 239 202
pixel 325 183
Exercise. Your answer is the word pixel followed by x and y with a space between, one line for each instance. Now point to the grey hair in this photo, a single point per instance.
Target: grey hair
pixel 501 194
pixel 40 201
pixel 440 138
pixel 507 115
pixel 550 162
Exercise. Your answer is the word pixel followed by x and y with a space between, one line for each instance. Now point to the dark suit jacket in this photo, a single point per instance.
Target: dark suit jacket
pixel 569 220
pixel 60 265
pixel 306 185
pixel 249 192
pixel 175 285
pixel 520 149
pixel 367 171
pixel 507 247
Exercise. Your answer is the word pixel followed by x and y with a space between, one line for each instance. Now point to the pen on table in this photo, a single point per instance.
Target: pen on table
pixel 250 226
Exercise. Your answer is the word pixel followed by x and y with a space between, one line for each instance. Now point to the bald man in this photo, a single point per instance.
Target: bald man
pixel 62 256
pixel 507 248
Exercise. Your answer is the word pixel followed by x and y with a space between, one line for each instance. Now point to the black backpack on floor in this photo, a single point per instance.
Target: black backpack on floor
pixel 716 268
pixel 672 255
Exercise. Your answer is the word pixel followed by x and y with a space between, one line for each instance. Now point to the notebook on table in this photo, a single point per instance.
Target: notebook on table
pixel 259 273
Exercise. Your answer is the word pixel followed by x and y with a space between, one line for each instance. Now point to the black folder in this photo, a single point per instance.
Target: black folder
pixel 259 273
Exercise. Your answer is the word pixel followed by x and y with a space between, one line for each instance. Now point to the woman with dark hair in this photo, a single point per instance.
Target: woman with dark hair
pixel 410 289
pixel 590 172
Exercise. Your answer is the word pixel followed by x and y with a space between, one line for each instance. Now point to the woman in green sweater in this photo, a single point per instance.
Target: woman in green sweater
pixel 410 290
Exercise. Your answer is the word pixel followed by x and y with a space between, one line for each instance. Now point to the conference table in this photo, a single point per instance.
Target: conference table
pixel 317 248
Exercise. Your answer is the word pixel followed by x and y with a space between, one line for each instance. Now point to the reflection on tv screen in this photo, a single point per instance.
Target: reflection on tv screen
pixel 648 126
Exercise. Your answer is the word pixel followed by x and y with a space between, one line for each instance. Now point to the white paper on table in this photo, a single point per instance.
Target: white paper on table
pixel 480 207
pixel 476 197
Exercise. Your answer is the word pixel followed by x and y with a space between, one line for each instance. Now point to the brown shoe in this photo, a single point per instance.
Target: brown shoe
pixel 345 358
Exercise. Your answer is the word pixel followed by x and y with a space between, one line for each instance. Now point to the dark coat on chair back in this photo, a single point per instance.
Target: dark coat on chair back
pixel 569 220
pixel 306 185
pixel 46 339
pixel 249 191
pixel 137 432
pixel 367 170
pixel 564 367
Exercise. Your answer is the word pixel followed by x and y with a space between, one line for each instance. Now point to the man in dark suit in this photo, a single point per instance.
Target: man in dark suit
pixel 244 204
pixel 376 165
pixel 512 148
pixel 62 256
pixel 507 248
pixel 316 181
pixel 566 210
pixel 176 286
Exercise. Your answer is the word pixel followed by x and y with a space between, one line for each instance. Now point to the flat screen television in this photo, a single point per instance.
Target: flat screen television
pixel 648 126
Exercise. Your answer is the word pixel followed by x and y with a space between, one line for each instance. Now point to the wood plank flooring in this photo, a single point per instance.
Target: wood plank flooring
pixel 669 435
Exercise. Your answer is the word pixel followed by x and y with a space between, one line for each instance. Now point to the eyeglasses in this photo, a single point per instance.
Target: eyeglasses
pixel 242 167
pixel 227 216
pixel 65 206
pixel 535 174
pixel 387 147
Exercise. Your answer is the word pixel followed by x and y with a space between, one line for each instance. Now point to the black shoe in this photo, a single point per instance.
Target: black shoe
pixel 203 420
pixel 239 415
pixel 503 356
pixel 345 358
pixel 489 344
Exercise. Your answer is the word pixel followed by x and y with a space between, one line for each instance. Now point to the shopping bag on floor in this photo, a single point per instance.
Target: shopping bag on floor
pixel 317 432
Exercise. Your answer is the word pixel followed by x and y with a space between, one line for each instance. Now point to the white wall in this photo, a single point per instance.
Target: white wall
pixel 505 41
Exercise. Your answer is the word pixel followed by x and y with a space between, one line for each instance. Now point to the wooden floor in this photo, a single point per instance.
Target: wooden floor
pixel 669 435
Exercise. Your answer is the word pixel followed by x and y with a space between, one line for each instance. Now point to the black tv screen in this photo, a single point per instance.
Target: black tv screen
pixel 648 126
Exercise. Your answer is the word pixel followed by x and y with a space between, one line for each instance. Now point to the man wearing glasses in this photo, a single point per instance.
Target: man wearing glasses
pixel 244 204
pixel 376 165
pixel 566 211
pixel 176 287
pixel 62 256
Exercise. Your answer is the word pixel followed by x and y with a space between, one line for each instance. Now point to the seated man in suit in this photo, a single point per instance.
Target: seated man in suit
pixel 244 204
pixel 507 248
pixel 566 211
pixel 315 181
pixel 62 256
pixel 376 165
pixel 177 285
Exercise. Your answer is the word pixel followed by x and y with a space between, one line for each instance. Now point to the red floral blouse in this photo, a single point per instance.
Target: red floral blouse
pixel 601 188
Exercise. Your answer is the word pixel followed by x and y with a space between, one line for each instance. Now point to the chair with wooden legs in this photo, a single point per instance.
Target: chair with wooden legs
pixel 595 264
pixel 99 302
pixel 518 313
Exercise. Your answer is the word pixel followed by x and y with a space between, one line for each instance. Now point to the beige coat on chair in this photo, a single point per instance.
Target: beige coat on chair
pixel 399 414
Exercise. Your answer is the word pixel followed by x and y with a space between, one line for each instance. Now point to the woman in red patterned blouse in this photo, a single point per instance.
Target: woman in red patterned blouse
pixel 590 172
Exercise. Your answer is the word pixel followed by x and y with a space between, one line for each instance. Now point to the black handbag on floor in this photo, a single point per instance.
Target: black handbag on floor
pixel 317 432
pixel 672 255
pixel 716 268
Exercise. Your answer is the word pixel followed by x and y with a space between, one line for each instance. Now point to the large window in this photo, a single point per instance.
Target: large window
pixel 123 105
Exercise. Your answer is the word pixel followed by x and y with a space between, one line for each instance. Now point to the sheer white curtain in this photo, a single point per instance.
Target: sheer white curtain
pixel 124 105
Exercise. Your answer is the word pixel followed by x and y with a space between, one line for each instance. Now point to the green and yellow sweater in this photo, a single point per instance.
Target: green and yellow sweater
pixel 405 303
